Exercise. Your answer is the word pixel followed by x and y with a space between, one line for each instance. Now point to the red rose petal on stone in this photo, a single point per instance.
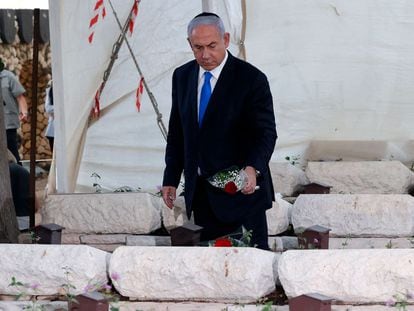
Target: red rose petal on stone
pixel 230 187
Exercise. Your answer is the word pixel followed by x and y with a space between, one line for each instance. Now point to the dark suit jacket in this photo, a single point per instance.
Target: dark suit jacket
pixel 238 129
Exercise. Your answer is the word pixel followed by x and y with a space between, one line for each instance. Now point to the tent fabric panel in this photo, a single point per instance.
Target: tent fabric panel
pixel 7 27
pixel 25 22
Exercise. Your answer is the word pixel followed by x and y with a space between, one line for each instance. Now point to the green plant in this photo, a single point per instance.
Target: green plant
pixel 96 185
pixel 294 160
pixel 68 287
pixel 33 237
pixel 345 242
pixel 400 301
pixel 268 306
pixel 22 289
pixel 389 244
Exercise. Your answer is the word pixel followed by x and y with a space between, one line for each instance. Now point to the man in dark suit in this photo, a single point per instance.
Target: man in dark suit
pixel 221 116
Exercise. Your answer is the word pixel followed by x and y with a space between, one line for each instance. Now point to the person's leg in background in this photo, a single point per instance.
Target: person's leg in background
pixel 12 143
pixel 19 181
pixel 51 141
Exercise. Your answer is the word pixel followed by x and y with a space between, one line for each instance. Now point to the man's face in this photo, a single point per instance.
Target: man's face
pixel 208 46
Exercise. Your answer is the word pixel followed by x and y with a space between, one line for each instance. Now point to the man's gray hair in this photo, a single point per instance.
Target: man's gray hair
pixel 206 20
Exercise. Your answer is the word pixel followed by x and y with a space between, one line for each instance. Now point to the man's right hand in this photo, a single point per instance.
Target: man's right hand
pixel 168 195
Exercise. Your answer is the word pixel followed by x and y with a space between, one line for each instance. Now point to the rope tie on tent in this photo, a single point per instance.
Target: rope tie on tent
pixel 96 110
pixel 133 17
pixel 128 26
pixel 151 96
pixel 99 9
pixel 138 95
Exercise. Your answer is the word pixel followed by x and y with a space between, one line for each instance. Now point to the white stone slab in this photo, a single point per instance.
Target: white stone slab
pixel 31 306
pixel 148 240
pixel 278 216
pixel 103 213
pixel 283 243
pixel 287 178
pixel 44 267
pixel 193 273
pixel 103 238
pixel 156 306
pixel 352 276
pixel 382 177
pixel 70 238
pixel 361 215
pixel 185 306
pixel 369 243
pixel 194 306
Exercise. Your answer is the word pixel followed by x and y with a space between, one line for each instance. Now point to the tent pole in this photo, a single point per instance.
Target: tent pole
pixel 242 46
pixel 33 117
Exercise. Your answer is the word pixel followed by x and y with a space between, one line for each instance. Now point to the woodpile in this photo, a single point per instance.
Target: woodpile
pixel 18 58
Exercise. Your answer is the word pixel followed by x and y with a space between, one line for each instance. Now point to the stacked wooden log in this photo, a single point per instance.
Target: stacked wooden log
pixel 18 59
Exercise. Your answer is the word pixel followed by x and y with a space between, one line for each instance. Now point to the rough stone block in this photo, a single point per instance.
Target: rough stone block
pixel 369 177
pixel 287 178
pixel 364 215
pixel 103 213
pixel 44 268
pixel 278 216
pixel 103 239
pixel 148 240
pixel 193 273
pixel 70 238
pixel 351 276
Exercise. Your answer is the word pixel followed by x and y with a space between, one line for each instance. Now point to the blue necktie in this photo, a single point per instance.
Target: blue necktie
pixel 204 96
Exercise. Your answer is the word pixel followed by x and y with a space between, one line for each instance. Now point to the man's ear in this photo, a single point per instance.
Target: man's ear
pixel 189 42
pixel 226 38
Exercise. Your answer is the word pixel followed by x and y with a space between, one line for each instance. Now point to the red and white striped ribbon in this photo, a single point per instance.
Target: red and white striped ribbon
pixel 96 109
pixel 138 95
pixel 98 10
pixel 133 17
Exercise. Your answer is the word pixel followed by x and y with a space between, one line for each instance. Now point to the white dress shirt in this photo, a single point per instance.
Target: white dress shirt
pixel 213 81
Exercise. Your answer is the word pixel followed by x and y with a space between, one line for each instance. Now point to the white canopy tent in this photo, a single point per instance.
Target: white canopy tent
pixel 341 74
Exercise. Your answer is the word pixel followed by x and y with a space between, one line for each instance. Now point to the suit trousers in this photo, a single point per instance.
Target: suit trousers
pixel 213 227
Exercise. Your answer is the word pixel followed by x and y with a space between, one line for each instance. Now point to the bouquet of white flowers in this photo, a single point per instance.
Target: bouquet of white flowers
pixel 229 180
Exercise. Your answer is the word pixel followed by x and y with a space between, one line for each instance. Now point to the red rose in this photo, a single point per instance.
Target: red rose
pixel 222 242
pixel 230 187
